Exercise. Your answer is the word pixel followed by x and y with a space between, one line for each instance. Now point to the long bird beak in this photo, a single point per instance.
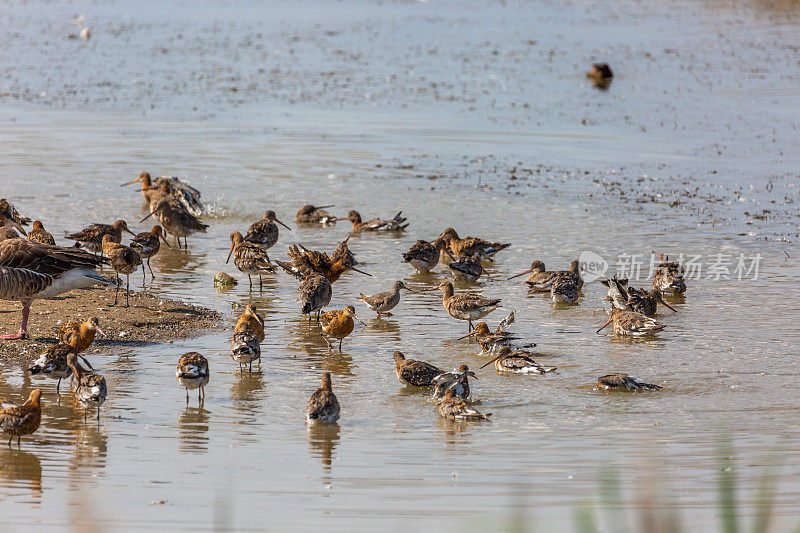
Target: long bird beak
pixel 100 331
pixel 520 274
pixel 490 362
pixel 130 182
pixel 161 236
pixel 338 219
pixel 129 231
pixel 282 224
pixel 667 305
pixel 473 332
pixel 487 274
pixel 233 245
pixel 359 321
pixel 604 325
pixel 361 271
pixel 325 206
pixel 430 289
pixel 472 374
pixel 87 362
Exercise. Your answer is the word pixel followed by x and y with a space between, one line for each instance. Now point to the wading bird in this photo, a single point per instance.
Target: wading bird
pixel 192 373
pixel 414 373
pixel 323 405
pixel 22 419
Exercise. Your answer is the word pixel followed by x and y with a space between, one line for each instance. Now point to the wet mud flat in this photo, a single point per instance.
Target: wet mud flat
pixel 150 319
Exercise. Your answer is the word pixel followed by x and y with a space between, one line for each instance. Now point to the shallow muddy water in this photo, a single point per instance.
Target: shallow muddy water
pixel 727 360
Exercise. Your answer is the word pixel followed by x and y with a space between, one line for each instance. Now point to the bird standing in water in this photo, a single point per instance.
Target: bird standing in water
pixel 414 373
pixel 124 260
pixel 250 258
pixel 323 405
pixel 147 244
pixel 383 302
pixel 192 373
pixel 455 408
pixel 22 419
pixel 338 324
pixel 265 231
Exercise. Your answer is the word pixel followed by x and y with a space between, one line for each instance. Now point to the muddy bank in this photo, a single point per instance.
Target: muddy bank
pixel 150 319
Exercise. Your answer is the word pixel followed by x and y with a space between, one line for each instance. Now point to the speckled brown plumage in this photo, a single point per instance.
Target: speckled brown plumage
pixel 53 363
pixel 457 381
pixel 338 324
pixel 424 255
pixel 124 260
pixel 624 381
pixel 470 246
pixel 414 373
pixel 79 334
pixel 92 236
pixel 309 214
pixel 265 232
pixel 517 361
pixel 323 406
pixel 466 306
pixel 456 408
pixel 646 302
pixel 315 293
pixel 185 194
pixel 541 279
pixel 669 276
pixel 466 268
pixel 249 258
pixel 147 244
pixel 90 387
pixel 376 224
pixel 9 216
pixel 192 373
pixel 631 323
pixel 172 215
pixel 39 234
pixel 303 261
pixel 7 232
pixel 22 419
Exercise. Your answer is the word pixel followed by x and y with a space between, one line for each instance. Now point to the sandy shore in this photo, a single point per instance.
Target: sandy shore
pixel 150 319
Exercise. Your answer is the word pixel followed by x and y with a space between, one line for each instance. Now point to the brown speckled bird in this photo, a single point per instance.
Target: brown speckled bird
pixel 383 302
pixel 90 388
pixel 491 341
pixel 457 381
pixel 315 293
pixel 303 260
pixel 518 361
pixel 631 323
pixel 172 214
pixel 9 216
pixel 192 373
pixel 250 258
pixel 265 231
pixel 147 244
pixel 456 408
pixel 414 373
pixel 467 269
pixel 646 302
pixel 470 246
pixel 124 260
pixel 80 333
pixel 22 419
pixel 39 234
pixel 309 214
pixel 624 382
pixel 541 280
pixel 53 363
pixel 466 306
pixel 92 236
pixel 180 189
pixel 668 277
pixel 424 255
pixel 323 405
pixel 338 324
pixel 565 289
pixel 617 293
pixel 248 333
pixel 601 75
pixel 375 224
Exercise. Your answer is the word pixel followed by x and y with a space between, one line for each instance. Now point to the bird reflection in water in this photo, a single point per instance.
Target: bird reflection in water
pixel 91 447
pixel 192 428
pixel 322 442
pixel 456 431
pixel 20 469
pixel 388 328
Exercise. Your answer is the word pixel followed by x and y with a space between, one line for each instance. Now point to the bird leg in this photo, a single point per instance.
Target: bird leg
pixel 23 333
pixel 251 281
pixel 151 268
pixel 187 396
pixel 260 283
pixel 58 386
pixel 116 294
pixel 127 289
pixel 340 345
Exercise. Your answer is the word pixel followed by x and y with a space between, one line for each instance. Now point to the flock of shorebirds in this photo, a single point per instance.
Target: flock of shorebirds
pixel 34 267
